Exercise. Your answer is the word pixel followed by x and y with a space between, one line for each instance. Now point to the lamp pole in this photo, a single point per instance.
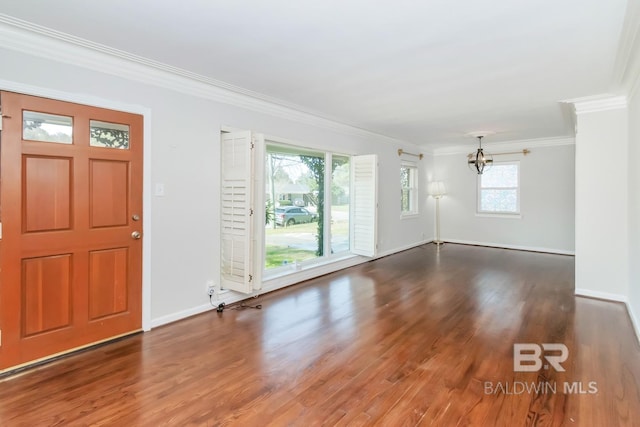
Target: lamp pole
pixel 436 190
pixel 438 241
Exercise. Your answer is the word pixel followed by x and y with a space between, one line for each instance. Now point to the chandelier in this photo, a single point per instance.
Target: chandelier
pixel 481 161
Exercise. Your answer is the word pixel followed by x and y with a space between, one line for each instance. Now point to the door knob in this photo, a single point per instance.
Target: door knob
pixel 136 235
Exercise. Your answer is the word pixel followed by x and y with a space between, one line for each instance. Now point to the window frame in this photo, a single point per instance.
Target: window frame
pixel 480 188
pixel 328 256
pixel 413 189
pixel 271 145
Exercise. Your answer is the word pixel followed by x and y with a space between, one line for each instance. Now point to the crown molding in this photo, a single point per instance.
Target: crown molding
pixel 36 40
pixel 596 103
pixel 626 71
pixel 506 145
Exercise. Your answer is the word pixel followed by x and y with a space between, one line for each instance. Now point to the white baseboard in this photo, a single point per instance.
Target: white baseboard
pixel 615 298
pixel 233 297
pixel 634 320
pixel 601 295
pixel 293 278
pixel 279 283
pixel 400 249
pixel 516 247
pixel 230 298
pixel 173 317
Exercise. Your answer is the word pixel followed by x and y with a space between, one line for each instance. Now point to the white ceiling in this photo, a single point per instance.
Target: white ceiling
pixel 423 71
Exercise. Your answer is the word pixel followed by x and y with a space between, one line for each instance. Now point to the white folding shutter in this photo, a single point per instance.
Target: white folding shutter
pixel 259 210
pixel 364 178
pixel 236 212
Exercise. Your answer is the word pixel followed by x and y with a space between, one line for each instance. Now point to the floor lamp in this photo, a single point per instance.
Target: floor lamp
pixel 437 190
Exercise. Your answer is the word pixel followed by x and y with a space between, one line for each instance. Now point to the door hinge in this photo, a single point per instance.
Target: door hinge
pixel 3 116
pixel 0 337
pixel 250 278
pixel 252 146
pixel 250 212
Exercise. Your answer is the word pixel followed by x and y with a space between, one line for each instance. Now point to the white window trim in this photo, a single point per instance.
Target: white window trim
pixel 328 257
pixel 413 191
pixel 499 214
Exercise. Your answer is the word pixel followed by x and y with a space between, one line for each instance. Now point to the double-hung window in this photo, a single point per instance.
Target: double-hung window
pixel 409 189
pixel 499 189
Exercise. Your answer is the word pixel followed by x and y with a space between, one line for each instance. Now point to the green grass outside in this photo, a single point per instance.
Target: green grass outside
pixel 276 255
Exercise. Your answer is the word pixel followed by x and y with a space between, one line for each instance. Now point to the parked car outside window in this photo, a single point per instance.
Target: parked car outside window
pixel 291 215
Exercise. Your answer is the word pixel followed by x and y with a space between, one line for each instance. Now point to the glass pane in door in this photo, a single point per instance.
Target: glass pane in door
pixel 109 135
pixel 47 127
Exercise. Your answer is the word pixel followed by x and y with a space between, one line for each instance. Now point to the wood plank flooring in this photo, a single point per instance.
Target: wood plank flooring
pixel 424 337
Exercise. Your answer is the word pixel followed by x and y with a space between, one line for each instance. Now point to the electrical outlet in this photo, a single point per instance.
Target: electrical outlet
pixel 210 288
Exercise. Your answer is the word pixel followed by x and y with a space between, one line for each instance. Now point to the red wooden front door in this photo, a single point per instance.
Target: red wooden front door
pixel 71 213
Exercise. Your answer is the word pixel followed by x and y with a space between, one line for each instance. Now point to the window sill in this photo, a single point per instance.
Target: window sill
pixel 293 268
pixel 499 215
pixel 281 279
pixel 410 215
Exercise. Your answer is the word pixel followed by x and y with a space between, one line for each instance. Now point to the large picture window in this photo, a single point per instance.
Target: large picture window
pixel 286 208
pixel 307 205
pixel 499 189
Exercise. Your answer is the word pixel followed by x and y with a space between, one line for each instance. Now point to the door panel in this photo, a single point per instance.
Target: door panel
pixel 71 273
pixel 108 285
pixel 108 187
pixel 47 193
pixel 46 290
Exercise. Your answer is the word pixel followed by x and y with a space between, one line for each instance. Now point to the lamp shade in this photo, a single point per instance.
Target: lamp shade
pixel 436 189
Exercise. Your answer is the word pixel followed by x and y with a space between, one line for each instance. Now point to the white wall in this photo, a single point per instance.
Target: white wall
pixel 184 135
pixel 429 202
pixel 634 210
pixel 602 192
pixel 547 201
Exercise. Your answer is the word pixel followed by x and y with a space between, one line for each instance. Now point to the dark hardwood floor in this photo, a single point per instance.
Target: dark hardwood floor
pixel 424 337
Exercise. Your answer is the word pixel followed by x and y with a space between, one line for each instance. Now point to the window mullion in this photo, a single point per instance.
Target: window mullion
pixel 328 168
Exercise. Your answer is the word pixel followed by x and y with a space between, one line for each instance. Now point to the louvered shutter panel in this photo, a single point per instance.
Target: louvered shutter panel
pixel 364 233
pixel 259 208
pixel 236 212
